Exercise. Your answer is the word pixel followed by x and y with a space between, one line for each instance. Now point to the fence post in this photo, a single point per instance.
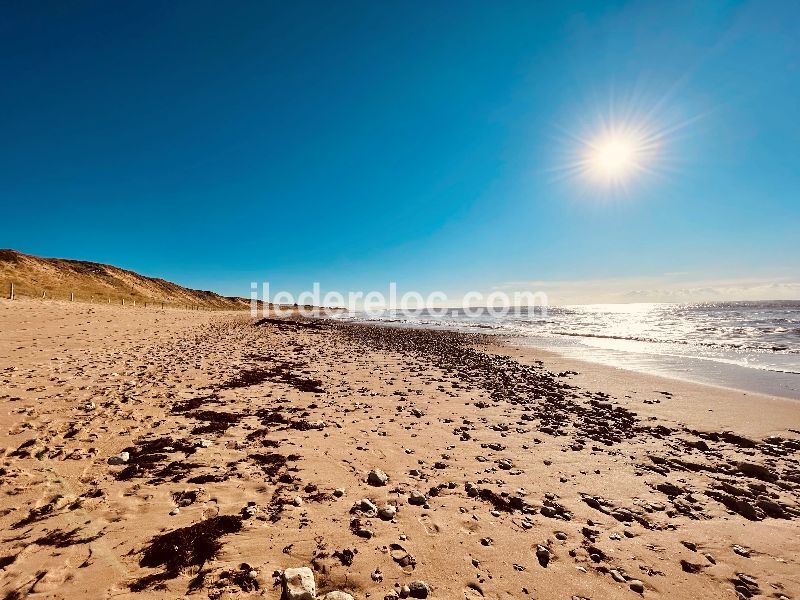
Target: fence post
pixel 123 302
pixel 11 293
pixel 134 302
pixel 72 296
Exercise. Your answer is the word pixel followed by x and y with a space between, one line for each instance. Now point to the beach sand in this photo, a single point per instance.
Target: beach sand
pixel 512 473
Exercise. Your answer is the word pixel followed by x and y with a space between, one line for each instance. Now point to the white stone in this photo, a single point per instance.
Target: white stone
pixel 299 584
pixel 119 459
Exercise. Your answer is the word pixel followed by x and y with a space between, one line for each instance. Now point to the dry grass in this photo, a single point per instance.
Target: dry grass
pixel 57 278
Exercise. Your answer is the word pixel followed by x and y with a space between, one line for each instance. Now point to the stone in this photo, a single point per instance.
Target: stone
pixel 636 585
pixel 419 589
pixel 299 584
pixel 377 478
pixel 417 498
pixel 757 471
pixel 542 555
pixel 368 507
pixel 387 513
pixel 337 596
pixel 119 459
pixel 617 576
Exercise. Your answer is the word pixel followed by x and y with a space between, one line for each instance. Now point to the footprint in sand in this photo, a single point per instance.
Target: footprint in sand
pixel 431 528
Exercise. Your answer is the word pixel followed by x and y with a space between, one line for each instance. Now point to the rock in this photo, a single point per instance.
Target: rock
pixel 387 512
pixel 298 584
pixel 419 589
pixel 297 501
pixel 175 511
pixel 119 459
pixel 338 492
pixel 617 576
pixel 758 471
pixel 377 478
pixel 636 585
pixel 741 550
pixel 337 596
pixel 417 498
pixel 542 555
pixel 368 507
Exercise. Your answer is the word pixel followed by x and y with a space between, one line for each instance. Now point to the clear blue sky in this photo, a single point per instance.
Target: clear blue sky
pixel 356 143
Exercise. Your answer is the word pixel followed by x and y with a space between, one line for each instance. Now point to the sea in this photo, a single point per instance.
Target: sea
pixel 751 346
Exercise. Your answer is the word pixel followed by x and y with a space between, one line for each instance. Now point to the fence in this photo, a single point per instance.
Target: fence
pixel 49 294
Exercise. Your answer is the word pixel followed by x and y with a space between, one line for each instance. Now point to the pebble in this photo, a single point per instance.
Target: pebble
pixel 377 478
pixel 119 459
pixel 636 585
pixel 542 555
pixel 617 576
pixel 337 596
pixel 419 589
pixel 417 498
pixel 387 513
pixel 299 584
pixel 741 550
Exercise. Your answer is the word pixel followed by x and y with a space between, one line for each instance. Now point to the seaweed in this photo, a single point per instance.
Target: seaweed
pixel 191 546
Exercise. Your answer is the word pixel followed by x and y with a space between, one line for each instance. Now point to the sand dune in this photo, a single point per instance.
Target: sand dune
pixel 61 279
pixel 201 454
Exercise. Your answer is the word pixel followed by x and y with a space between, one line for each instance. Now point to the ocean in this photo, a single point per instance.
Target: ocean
pixel 752 346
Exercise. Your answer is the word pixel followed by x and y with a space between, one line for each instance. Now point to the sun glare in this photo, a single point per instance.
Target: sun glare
pixel 614 157
pixel 612 152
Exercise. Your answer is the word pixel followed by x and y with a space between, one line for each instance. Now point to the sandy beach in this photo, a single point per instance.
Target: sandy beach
pixel 167 454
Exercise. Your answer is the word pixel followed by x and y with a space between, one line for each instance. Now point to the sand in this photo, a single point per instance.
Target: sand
pixel 249 446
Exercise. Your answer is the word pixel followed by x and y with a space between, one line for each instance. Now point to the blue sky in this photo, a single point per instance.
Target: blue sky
pixel 354 144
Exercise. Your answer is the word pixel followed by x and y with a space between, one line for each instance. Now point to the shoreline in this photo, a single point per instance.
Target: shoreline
pixel 511 473
pixel 691 369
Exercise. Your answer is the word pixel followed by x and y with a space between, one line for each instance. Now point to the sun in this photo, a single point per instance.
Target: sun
pixel 616 152
pixel 614 157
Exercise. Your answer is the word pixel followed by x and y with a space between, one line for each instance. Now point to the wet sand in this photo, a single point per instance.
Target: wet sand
pixel 185 453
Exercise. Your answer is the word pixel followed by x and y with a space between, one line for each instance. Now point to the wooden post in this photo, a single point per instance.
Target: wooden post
pixel 44 294
pixel 134 302
pixel 11 293
pixel 72 296
pixel 123 302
